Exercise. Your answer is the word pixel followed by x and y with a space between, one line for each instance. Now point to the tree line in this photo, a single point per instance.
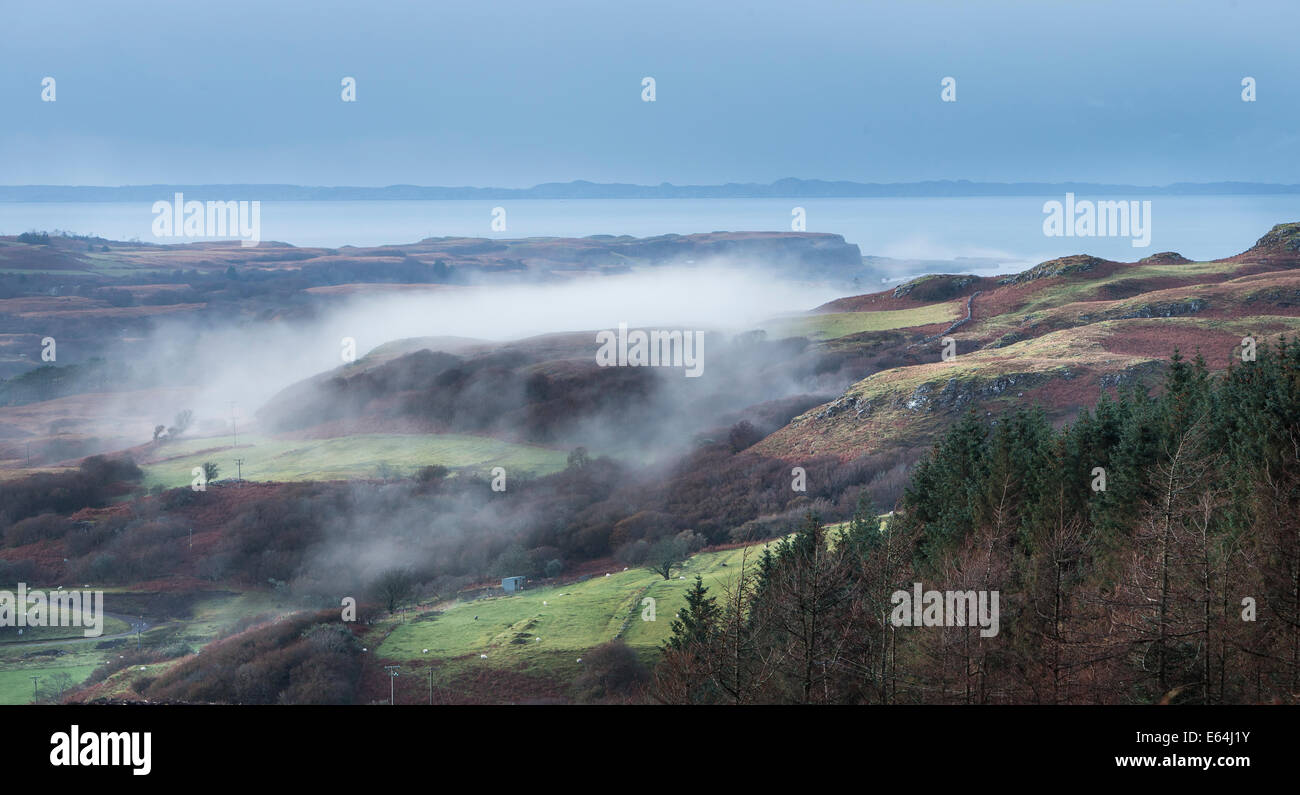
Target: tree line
pixel 1148 552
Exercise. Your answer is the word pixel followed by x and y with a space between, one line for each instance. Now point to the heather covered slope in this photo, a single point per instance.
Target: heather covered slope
pixel 1056 335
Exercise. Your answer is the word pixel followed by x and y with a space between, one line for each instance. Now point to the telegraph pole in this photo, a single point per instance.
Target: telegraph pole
pixel 35 695
pixel 392 682
pixel 239 470
pixel 233 430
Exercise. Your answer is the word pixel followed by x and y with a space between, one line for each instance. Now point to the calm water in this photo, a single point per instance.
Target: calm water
pixel 1006 229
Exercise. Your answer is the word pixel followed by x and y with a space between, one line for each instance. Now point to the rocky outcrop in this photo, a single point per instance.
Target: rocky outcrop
pixel 1182 308
pixel 930 289
pixel 1138 372
pixel 958 393
pixel 1283 237
pixel 1077 263
pixel 1165 258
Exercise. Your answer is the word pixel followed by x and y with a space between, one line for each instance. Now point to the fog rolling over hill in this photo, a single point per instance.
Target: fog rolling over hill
pixel 225 340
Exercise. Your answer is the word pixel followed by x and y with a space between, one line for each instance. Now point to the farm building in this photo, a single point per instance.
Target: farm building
pixel 512 584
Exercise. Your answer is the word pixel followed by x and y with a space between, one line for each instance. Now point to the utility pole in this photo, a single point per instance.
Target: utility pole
pixel 35 695
pixel 392 681
pixel 233 430
pixel 239 470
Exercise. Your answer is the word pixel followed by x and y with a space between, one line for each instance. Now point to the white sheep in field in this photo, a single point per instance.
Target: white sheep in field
pixel 482 656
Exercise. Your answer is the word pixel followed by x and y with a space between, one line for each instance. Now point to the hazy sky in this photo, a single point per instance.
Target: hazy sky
pixel 510 93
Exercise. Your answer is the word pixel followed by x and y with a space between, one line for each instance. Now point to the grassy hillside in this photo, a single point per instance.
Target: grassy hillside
pixel 842 324
pixel 341 458
pixel 16 685
pixel 543 632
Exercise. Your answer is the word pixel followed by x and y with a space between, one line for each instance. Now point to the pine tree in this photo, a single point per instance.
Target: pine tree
pixel 698 621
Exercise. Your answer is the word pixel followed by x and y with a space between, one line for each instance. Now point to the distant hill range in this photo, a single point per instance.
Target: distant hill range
pixel 581 189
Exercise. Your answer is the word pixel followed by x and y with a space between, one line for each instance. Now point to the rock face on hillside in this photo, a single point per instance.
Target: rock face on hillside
pixel 1077 263
pixel 944 395
pixel 1164 258
pixel 940 287
pixel 1285 237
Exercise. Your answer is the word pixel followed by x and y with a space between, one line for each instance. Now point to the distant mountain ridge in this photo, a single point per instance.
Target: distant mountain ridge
pixel 789 188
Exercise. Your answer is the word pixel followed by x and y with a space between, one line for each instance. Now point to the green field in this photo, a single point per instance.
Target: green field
pixel 343 458
pixel 16 683
pixel 842 324
pixel 521 633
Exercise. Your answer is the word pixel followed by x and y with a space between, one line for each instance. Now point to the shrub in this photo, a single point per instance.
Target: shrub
pixel 610 672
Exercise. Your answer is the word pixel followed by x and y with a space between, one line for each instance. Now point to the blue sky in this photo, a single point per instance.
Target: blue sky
pixel 509 93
